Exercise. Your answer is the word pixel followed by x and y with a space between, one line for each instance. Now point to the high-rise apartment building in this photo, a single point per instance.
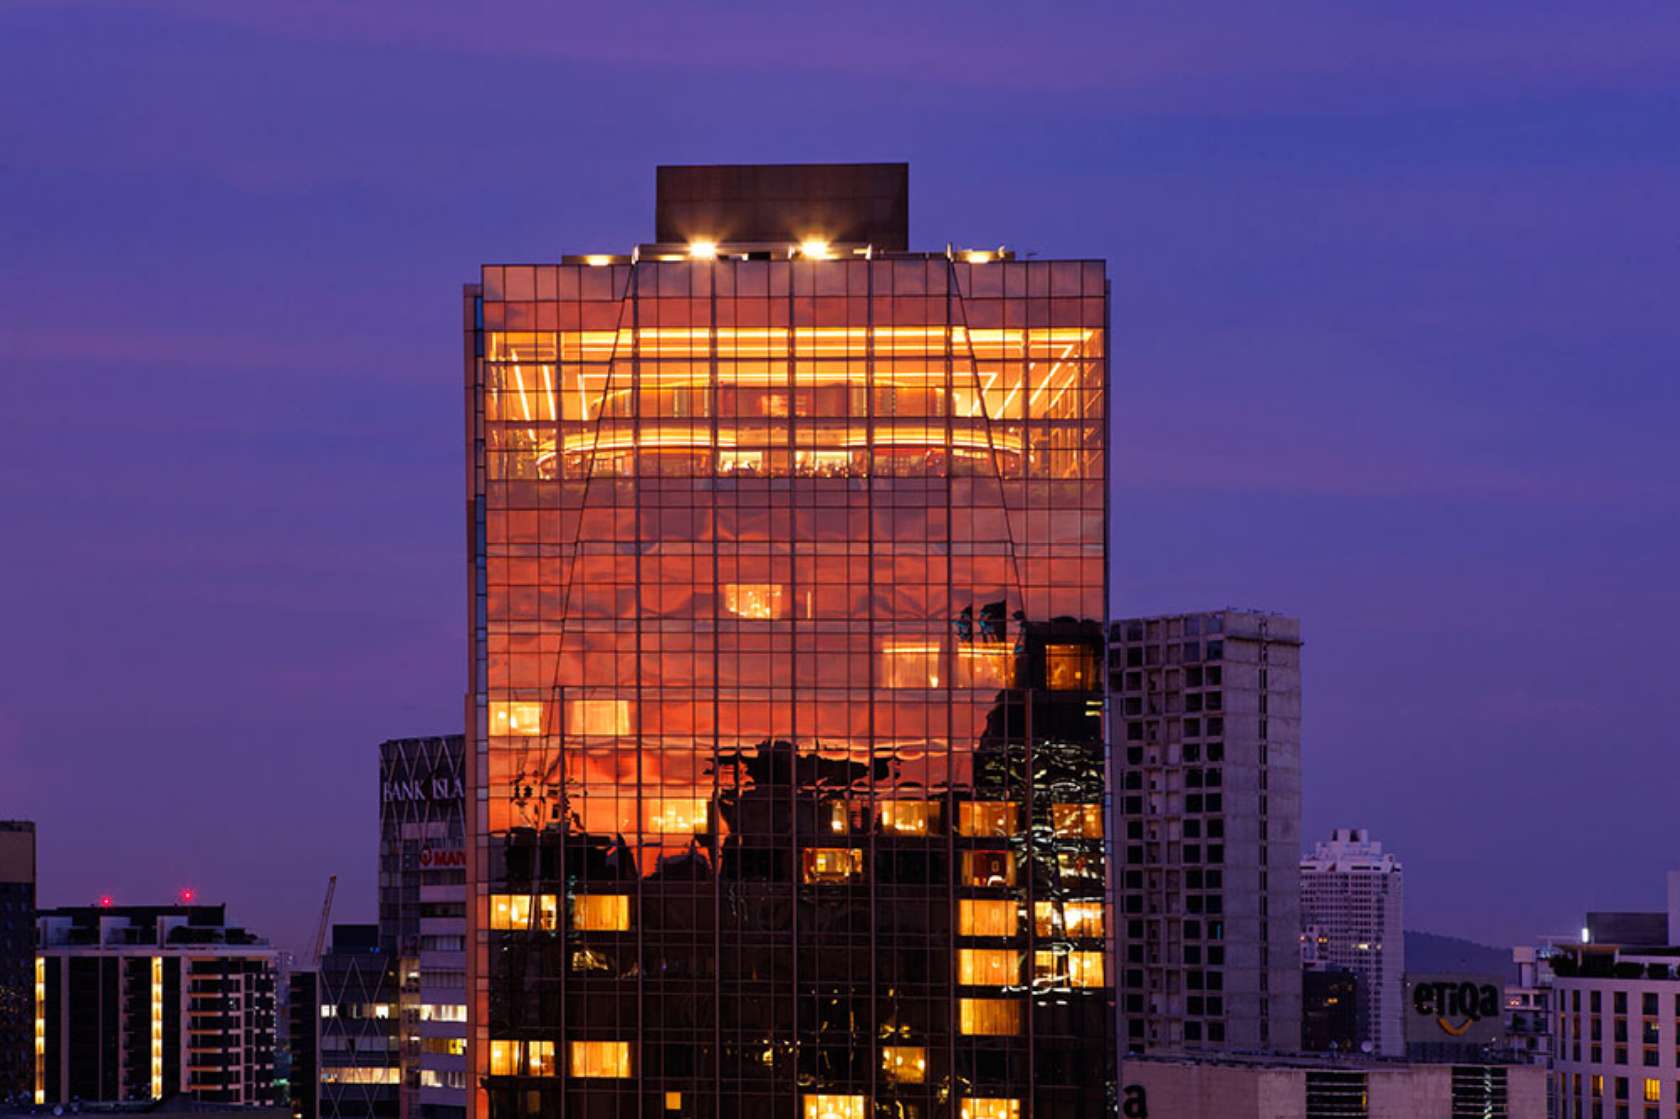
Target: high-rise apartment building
pixel 786 774
pixel 1205 715
pixel 138 1003
pixel 1351 918
pixel 17 961
pixel 422 916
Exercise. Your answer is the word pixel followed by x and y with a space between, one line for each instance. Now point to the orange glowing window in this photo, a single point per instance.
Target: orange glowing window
pixel 821 865
pixel 839 815
pixel 674 815
pixel 988 967
pixel 988 917
pixel 904 1064
pixel 524 912
pixel 516 717
pixel 985 666
pixel 910 664
pixel 603 718
pixel 988 817
pixel 604 1059
pixel 522 1058
pixel 1071 918
pixel 1068 969
pixel 826 1106
pixel 1070 668
pixel 1653 1090
pixel 990 1107
pixel 601 912
pixel 1077 820
pixel 988 868
pixel 758 601
pixel 910 817
pixel 989 1017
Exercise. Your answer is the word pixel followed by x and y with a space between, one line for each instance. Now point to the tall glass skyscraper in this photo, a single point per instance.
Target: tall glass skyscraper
pixel 786 762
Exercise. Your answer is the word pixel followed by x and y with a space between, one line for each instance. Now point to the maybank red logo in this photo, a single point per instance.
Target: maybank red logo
pixel 1456 1006
pixel 441 858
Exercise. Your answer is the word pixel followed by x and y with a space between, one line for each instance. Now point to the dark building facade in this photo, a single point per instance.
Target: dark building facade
pixel 17 961
pixel 141 1003
pixel 786 767
pixel 303 1038
pixel 422 916
pixel 1329 1011
pixel 358 1069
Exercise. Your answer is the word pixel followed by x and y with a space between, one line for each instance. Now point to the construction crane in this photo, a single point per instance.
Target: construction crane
pixel 321 929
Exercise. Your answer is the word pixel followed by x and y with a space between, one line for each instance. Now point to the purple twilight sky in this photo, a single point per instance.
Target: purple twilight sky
pixel 1394 337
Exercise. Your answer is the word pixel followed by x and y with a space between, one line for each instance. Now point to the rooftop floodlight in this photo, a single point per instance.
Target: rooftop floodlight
pixel 702 250
pixel 813 248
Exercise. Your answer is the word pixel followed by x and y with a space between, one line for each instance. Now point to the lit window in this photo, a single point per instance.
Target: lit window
pixel 989 1017
pixel 906 664
pixel 833 1107
pixel 757 601
pixel 987 917
pixel 985 666
pixel 1653 1090
pixel 991 1108
pixel 522 1058
pixel 1084 918
pixel 831 864
pixel 601 912
pixel 839 817
pixel 600 718
pixel 1085 969
pixel 516 718
pixel 988 967
pixel 904 1064
pixel 910 817
pixel 606 1059
pixel 361 1076
pixel 988 868
pixel 674 815
pixel 1070 668
pixel 988 817
pixel 673 1101
pixel 1074 820
pixel 514 912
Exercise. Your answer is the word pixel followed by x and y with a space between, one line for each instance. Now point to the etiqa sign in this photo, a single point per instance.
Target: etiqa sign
pixel 1456 1005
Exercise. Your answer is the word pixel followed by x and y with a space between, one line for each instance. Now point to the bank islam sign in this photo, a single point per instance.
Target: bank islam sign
pixel 1468 1009
pixel 439 787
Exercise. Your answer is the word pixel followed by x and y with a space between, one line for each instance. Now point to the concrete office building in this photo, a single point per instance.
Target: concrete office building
pixel 785 760
pixel 1351 918
pixel 1340 1088
pixel 422 916
pixel 1616 1048
pixel 144 1003
pixel 17 961
pixel 1206 727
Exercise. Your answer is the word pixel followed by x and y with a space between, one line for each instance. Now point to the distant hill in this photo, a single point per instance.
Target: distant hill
pixel 1433 952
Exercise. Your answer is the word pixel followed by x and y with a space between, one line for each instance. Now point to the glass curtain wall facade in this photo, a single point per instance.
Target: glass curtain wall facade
pixel 786 760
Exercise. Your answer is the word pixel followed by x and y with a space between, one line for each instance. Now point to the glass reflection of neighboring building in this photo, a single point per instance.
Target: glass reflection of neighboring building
pixel 787 770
